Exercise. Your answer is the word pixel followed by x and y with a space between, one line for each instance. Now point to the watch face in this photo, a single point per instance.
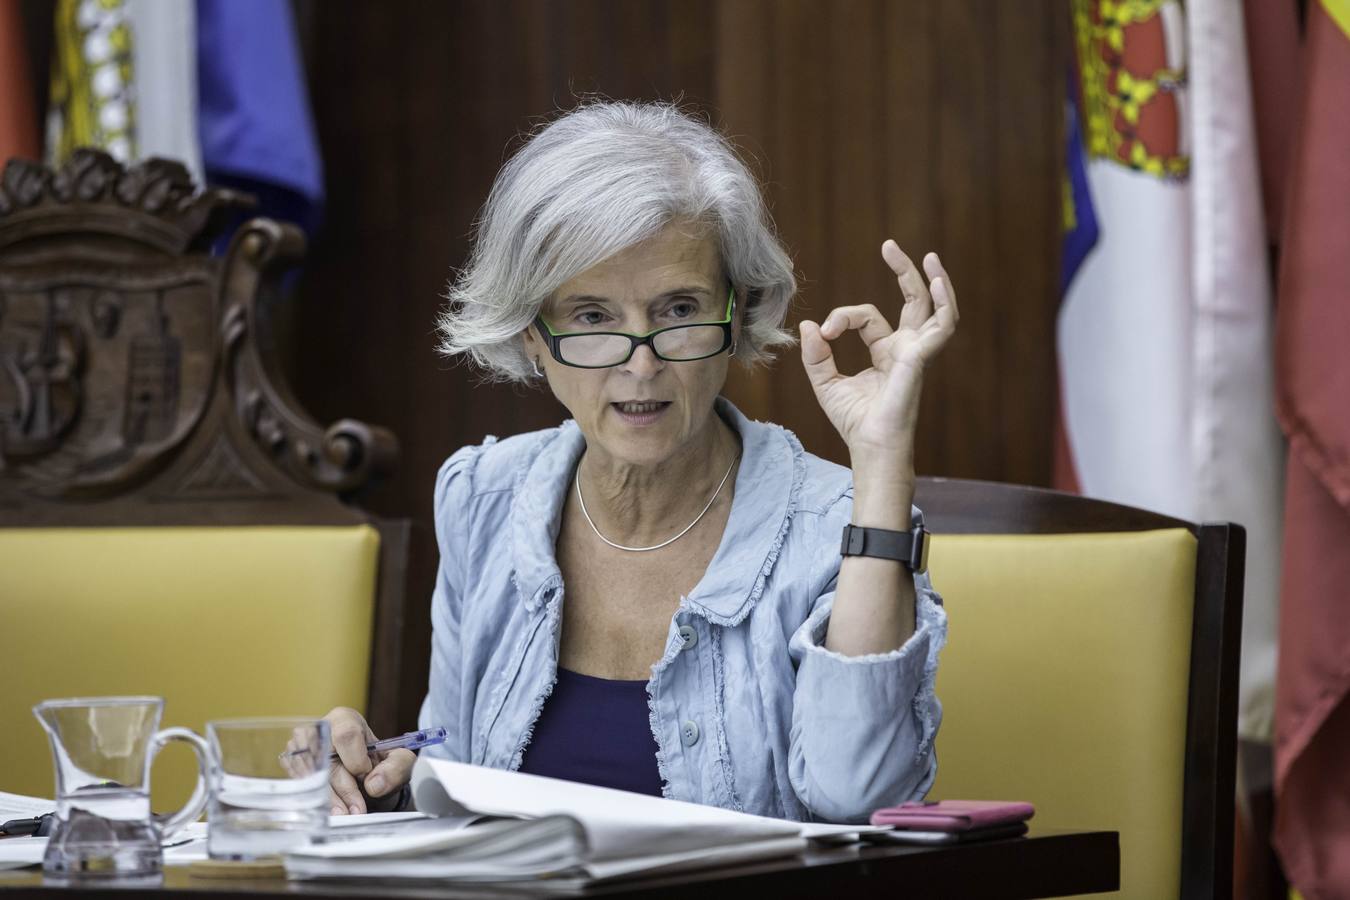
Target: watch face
pixel 920 550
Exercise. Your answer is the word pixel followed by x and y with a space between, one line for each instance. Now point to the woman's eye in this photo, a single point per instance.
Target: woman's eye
pixel 683 309
pixel 590 317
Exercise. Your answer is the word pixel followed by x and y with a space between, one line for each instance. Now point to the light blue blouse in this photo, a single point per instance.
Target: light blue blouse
pixel 748 709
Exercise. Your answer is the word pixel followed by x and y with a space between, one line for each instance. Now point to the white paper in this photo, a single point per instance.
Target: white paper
pixel 182 854
pixel 17 852
pixel 554 833
pixel 521 870
pixel 617 824
pixel 527 847
pixel 378 818
pixel 695 859
pixel 190 845
pixel 184 846
pixel 17 806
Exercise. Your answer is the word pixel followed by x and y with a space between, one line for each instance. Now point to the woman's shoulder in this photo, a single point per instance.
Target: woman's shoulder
pixel 826 492
pixel 825 485
pixel 493 465
pixel 819 485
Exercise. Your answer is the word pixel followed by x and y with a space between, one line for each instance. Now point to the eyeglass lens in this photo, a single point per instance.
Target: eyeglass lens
pixel 683 343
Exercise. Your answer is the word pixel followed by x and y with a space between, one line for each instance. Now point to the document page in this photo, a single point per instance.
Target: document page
pixel 618 824
pixel 17 852
pixel 17 806
pixel 553 832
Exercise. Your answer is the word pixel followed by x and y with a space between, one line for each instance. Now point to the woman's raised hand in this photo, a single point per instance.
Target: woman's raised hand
pixel 357 781
pixel 875 411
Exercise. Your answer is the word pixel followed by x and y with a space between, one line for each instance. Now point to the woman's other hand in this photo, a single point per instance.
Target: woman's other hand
pixel 359 781
pixel 875 411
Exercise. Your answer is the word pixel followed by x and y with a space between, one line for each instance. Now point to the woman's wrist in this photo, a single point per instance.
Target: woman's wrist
pixel 883 489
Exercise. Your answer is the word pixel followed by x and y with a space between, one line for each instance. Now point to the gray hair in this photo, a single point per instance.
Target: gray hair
pixel 597 180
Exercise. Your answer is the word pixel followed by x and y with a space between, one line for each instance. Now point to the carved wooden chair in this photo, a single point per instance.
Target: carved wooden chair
pixel 1091 668
pixel 171 523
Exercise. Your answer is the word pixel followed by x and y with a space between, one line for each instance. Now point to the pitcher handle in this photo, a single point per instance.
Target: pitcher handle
pixel 197 802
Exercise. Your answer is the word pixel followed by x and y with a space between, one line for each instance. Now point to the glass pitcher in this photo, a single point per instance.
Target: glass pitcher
pixel 102 748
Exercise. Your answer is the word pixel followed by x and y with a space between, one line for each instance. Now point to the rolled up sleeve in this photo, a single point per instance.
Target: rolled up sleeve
pixel 443 705
pixel 863 726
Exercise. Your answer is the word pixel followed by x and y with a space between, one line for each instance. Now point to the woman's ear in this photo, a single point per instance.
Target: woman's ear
pixel 534 350
pixel 743 300
pixel 532 343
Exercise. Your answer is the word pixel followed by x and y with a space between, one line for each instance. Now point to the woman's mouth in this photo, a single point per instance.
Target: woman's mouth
pixel 640 412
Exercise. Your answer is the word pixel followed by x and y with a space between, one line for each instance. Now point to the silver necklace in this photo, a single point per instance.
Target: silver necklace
pixel 582 501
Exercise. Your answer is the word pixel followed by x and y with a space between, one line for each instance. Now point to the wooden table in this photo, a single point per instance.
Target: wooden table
pixel 1045 863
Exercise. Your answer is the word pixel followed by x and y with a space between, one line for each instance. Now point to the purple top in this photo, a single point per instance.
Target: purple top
pixel 597 731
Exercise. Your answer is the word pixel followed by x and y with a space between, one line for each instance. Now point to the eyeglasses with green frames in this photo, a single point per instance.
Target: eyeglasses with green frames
pixel 602 349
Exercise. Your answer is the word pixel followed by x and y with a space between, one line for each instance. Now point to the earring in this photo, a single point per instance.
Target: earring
pixel 534 362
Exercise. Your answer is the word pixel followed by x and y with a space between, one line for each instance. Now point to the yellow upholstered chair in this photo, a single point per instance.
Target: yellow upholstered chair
pixel 170 522
pixel 1092 670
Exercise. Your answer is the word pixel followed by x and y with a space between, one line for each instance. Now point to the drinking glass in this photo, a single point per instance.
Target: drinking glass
pixel 102 748
pixel 268 781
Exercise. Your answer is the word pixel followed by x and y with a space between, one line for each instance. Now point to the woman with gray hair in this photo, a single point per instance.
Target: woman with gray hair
pixel 653 596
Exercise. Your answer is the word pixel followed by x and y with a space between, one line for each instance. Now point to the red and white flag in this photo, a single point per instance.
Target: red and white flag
pixel 1312 735
pixel 1165 345
pixel 18 118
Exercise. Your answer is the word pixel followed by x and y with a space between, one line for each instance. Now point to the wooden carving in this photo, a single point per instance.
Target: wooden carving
pixel 133 380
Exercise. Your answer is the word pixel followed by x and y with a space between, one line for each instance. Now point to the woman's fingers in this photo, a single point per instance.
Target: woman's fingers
pixel 918 304
pixel 303 755
pixel 394 771
pixel 939 328
pixel 927 320
pixel 817 357
pixel 289 756
pixel 941 282
pixel 348 793
pixel 866 319
pixel 945 316
pixel 350 735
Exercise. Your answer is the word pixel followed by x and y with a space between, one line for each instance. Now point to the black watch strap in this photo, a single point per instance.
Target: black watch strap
pixel 909 547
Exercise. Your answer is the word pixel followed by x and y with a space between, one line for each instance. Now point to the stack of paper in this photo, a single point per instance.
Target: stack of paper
pixel 16 852
pixel 18 806
pixel 560 832
pixel 188 844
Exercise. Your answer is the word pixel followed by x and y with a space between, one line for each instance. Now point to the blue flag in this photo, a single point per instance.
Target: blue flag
pixel 1080 225
pixel 256 128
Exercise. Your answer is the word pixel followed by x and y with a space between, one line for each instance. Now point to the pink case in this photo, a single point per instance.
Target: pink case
pixel 952 815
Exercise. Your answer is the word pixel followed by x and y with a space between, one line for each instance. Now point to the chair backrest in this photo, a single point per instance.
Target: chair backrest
pixel 1091 668
pixel 171 522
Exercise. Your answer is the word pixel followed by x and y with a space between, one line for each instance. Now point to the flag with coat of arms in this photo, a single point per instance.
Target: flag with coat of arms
pixel 215 84
pixel 1165 344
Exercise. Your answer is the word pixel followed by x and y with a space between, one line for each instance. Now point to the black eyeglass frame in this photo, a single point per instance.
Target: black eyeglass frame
pixel 554 340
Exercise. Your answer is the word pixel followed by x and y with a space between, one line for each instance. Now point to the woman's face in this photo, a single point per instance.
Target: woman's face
pixel 673 278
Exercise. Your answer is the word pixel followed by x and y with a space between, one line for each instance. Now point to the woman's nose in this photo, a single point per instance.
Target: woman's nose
pixel 643 363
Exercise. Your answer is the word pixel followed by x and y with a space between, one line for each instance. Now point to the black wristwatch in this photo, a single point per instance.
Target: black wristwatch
pixel 909 547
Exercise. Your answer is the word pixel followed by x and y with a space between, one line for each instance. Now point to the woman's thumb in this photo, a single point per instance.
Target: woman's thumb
pixel 816 355
pixel 394 771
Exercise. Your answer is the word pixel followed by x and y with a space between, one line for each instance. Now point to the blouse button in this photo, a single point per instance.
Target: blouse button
pixel 689 733
pixel 688 637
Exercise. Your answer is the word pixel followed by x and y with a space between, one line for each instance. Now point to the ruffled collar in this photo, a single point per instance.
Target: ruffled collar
pixel 768 482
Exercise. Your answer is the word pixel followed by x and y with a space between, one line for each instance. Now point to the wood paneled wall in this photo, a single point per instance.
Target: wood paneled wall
pixel 936 122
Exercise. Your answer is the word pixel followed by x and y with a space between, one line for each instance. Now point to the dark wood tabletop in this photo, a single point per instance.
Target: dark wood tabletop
pixel 1045 863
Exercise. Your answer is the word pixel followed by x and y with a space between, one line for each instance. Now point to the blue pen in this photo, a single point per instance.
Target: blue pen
pixel 413 740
